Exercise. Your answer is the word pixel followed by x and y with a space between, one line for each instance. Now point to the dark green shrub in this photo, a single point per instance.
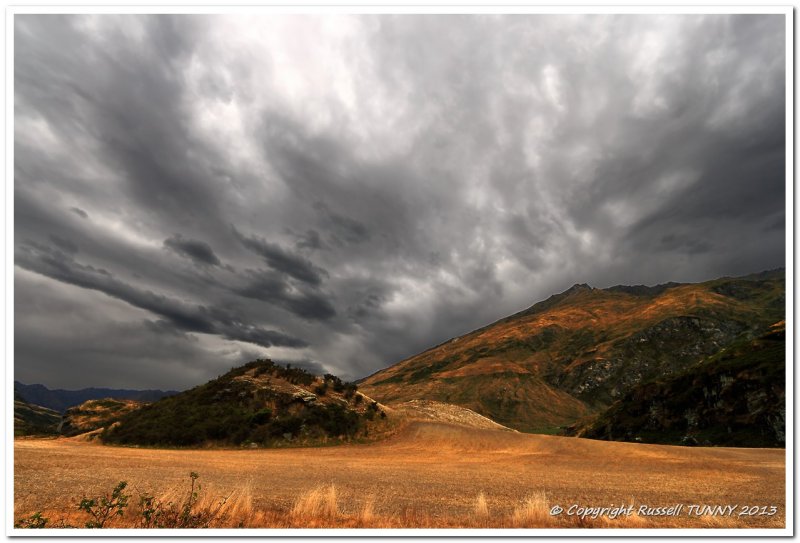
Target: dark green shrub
pixel 34 521
pixel 106 507
pixel 350 390
pixel 262 416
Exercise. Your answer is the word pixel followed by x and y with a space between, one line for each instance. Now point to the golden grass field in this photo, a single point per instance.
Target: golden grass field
pixel 429 474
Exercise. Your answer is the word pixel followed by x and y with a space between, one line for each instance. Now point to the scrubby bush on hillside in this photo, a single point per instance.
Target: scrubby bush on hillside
pixel 322 389
pixel 233 411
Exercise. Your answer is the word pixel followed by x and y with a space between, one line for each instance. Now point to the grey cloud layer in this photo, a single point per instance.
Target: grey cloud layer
pixel 282 260
pixel 187 317
pixel 199 251
pixel 345 192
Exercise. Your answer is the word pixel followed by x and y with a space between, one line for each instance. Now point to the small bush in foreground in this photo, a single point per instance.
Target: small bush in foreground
pixel 36 520
pixel 106 507
pixel 186 513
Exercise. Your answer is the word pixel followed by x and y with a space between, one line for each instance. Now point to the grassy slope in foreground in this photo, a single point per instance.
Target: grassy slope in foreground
pixel 579 351
pixel 259 403
pixel 429 474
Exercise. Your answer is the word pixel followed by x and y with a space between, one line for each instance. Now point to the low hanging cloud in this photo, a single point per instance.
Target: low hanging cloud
pixel 273 288
pixel 184 316
pixel 283 260
pixel 325 190
pixel 79 212
pixel 198 251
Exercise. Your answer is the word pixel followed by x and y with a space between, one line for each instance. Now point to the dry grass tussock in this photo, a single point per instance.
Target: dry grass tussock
pixel 481 506
pixel 533 512
pixel 319 507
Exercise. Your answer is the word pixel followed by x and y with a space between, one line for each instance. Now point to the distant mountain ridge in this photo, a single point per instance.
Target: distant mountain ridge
pixel 577 352
pixel 60 400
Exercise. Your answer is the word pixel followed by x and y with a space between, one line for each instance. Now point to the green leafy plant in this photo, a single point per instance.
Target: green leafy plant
pixel 36 520
pixel 106 507
pixel 155 513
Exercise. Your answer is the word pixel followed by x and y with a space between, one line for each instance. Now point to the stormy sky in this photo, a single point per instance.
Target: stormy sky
pixel 193 192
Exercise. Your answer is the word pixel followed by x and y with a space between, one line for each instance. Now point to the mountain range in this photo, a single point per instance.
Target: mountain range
pixel 572 356
pixel 60 400
pixel 677 363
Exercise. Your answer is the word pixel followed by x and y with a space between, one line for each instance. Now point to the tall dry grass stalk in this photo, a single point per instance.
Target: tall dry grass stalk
pixel 534 512
pixel 481 507
pixel 319 508
pixel 237 511
pixel 367 514
pixel 319 503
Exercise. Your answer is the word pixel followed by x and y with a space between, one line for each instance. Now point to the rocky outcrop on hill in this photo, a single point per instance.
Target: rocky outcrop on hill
pixel 735 398
pixel 656 351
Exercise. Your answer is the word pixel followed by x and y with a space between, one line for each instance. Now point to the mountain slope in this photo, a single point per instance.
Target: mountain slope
pixel 61 400
pixel 734 398
pixel 578 351
pixel 30 419
pixel 95 414
pixel 259 403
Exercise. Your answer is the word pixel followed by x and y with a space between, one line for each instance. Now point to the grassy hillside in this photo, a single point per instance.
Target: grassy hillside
pixel 61 400
pixel 95 414
pixel 33 420
pixel 577 352
pixel 258 404
pixel 734 398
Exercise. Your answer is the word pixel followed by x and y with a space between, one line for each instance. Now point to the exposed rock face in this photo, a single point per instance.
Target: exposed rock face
pixel 735 398
pixel 656 351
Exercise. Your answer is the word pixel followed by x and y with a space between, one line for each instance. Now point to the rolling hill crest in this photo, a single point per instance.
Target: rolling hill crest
pixel 258 404
pixel 576 353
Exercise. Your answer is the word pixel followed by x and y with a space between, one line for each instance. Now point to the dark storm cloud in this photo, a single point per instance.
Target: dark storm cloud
pixel 344 228
pixel 282 260
pixel 199 251
pixel 272 288
pixel 310 240
pixel 189 317
pixel 395 197
pixel 98 340
pixel 79 212
pixel 141 129
pixel 63 244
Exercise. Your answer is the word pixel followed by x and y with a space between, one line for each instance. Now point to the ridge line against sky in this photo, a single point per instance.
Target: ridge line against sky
pixel 192 192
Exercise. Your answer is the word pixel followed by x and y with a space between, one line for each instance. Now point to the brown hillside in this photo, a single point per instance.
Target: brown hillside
pixel 578 351
pixel 95 414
